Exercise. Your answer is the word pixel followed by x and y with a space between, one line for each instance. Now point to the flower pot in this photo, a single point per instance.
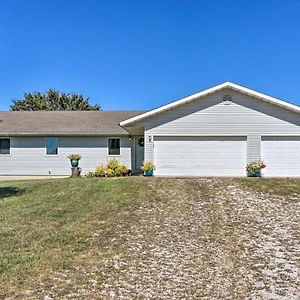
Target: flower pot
pixel 74 163
pixel 149 173
pixel 254 174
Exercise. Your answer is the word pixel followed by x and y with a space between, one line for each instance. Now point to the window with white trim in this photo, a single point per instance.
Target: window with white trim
pixel 4 146
pixel 52 146
pixel 114 146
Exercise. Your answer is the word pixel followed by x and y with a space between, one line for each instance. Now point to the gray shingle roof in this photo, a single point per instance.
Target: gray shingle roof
pixel 64 122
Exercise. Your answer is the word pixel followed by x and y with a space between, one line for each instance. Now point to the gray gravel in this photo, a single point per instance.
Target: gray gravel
pixel 205 239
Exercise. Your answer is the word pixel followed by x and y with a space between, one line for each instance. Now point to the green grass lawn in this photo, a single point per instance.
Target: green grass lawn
pixel 51 225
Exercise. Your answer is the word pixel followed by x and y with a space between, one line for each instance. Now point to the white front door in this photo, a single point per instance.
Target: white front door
pixel 282 156
pixel 200 156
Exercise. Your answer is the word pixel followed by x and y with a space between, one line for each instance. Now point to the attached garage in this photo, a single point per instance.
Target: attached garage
pixel 200 156
pixel 282 156
pixel 216 132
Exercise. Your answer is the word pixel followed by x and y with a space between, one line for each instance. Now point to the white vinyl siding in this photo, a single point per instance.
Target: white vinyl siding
pixel 253 147
pixel 148 147
pixel 200 156
pixel 208 116
pixel 282 156
pixel 28 156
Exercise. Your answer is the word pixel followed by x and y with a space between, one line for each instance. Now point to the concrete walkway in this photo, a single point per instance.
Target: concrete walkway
pixel 13 178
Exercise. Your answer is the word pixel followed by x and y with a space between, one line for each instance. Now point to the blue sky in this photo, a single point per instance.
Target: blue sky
pixel 142 54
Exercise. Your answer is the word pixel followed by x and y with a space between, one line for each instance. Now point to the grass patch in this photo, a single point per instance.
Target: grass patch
pixel 55 225
pixel 280 186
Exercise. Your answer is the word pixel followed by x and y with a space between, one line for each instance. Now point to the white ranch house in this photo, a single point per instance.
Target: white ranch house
pixel 211 133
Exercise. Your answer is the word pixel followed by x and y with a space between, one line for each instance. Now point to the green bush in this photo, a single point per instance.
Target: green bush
pixel 113 164
pixel 111 169
pixel 121 170
pixel 101 170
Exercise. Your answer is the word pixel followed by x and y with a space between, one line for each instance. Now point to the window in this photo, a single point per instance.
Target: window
pixel 52 146
pixel 113 146
pixel 4 146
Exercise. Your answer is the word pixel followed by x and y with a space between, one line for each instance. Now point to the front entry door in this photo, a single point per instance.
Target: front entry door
pixel 139 152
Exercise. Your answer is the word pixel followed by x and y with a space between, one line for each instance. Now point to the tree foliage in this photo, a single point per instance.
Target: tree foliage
pixel 52 100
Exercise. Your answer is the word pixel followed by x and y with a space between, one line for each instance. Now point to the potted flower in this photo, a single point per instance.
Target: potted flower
pixel 74 159
pixel 254 168
pixel 148 168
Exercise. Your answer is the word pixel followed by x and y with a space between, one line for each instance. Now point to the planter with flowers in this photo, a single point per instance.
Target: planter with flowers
pixel 148 168
pixel 254 168
pixel 74 159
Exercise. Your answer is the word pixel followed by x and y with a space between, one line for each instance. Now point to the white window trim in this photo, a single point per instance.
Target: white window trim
pixel 6 138
pixel 113 155
pixel 58 150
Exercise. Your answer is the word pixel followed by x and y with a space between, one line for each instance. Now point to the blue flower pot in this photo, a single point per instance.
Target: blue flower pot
pixel 149 173
pixel 74 163
pixel 254 174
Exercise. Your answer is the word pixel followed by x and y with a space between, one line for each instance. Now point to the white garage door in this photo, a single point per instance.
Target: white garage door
pixel 282 156
pixel 200 156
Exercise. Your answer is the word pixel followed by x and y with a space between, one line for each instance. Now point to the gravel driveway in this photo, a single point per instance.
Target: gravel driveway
pixel 207 239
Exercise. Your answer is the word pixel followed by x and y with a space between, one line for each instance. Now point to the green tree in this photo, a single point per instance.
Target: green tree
pixel 52 100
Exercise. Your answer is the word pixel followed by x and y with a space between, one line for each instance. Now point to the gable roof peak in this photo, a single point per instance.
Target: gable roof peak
pixel 216 88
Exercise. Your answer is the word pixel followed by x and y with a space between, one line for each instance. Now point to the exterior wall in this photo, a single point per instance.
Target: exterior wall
pixel 149 144
pixel 28 155
pixel 246 116
pixel 253 147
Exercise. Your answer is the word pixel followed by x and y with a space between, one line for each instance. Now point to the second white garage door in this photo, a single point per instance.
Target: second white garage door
pixel 282 156
pixel 200 156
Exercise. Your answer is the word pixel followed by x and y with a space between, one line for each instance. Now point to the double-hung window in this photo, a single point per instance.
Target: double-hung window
pixel 4 146
pixel 114 146
pixel 52 146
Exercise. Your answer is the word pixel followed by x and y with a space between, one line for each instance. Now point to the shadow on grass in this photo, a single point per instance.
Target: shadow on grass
pixel 9 191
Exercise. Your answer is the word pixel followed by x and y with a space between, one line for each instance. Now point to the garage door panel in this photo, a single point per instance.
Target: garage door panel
pixel 199 138
pixel 282 156
pixel 207 173
pixel 200 156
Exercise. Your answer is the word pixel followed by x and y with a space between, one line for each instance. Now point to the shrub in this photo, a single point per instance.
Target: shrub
pixel 113 164
pixel 255 166
pixel 74 157
pixel 110 173
pixel 101 171
pixel 111 169
pixel 147 166
pixel 91 174
pixel 121 170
